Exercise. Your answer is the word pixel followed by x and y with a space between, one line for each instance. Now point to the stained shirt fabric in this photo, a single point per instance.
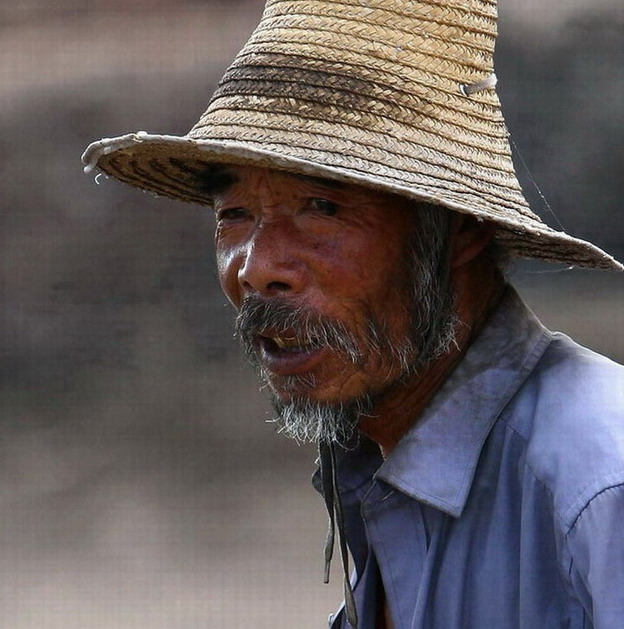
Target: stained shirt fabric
pixel 503 506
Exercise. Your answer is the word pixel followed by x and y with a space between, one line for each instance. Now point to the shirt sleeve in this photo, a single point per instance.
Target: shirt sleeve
pixel 596 545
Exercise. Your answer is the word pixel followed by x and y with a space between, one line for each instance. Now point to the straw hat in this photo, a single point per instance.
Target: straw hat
pixel 394 95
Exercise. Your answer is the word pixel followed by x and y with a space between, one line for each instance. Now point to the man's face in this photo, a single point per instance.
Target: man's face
pixel 340 252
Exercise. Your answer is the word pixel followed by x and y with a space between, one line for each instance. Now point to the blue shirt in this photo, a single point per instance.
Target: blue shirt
pixel 503 506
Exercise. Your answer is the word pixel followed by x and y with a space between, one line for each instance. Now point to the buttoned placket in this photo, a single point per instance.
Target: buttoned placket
pixel 403 535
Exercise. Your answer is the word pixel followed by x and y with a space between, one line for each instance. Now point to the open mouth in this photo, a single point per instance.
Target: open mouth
pixel 290 344
pixel 287 354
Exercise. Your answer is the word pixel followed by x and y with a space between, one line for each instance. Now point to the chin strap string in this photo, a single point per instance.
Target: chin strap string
pixel 327 457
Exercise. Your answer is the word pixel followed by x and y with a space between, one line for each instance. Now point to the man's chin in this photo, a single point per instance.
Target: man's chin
pixel 287 389
pixel 303 395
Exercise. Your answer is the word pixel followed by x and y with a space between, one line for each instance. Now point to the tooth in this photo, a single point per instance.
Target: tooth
pixel 284 342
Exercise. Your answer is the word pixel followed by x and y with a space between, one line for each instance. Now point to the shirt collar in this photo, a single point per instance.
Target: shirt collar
pixel 435 461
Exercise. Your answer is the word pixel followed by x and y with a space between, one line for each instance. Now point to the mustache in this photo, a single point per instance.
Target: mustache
pixel 259 316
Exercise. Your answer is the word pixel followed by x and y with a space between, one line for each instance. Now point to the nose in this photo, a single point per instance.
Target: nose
pixel 273 263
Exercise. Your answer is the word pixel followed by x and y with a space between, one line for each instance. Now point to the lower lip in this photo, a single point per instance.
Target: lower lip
pixel 290 363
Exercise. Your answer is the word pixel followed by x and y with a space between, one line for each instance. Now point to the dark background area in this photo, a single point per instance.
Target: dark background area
pixel 140 483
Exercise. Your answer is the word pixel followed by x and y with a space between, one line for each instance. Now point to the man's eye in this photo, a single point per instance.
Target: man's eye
pixel 329 208
pixel 232 214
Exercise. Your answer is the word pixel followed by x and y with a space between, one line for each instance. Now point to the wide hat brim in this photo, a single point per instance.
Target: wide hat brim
pixel 395 96
pixel 168 166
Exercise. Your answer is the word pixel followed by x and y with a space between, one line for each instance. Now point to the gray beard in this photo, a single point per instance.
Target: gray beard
pixel 307 421
pixel 432 333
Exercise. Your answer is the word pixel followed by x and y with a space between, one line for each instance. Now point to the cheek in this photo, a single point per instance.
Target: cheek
pixel 376 270
pixel 228 263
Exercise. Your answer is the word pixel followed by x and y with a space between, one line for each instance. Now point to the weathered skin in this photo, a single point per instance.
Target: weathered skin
pixel 343 250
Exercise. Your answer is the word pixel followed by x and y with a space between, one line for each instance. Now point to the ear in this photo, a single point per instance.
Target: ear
pixel 468 238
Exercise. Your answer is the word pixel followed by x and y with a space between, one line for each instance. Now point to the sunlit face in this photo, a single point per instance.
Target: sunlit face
pixel 338 252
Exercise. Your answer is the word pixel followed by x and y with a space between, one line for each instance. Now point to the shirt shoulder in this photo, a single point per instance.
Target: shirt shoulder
pixel 570 415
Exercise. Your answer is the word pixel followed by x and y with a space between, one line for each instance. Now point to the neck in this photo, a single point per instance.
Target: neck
pixel 477 291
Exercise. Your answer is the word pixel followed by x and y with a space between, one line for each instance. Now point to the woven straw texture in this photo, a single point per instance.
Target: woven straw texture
pixel 373 92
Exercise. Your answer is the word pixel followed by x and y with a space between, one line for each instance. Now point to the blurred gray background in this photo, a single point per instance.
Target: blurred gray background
pixel 141 485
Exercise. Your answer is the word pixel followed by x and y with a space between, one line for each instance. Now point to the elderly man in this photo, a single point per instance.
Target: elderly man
pixel 358 166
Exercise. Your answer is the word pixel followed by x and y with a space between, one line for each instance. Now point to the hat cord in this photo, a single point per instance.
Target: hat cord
pixel 333 503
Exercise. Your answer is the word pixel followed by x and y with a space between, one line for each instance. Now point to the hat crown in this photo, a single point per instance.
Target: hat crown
pixel 377 87
pixel 351 59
